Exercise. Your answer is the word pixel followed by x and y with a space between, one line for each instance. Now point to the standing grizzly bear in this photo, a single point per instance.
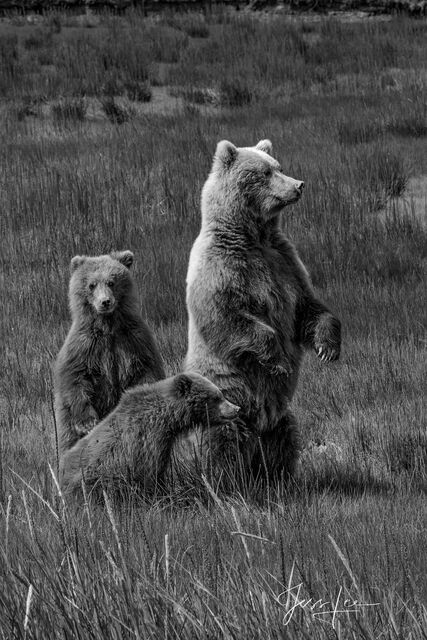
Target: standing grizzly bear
pixel 133 445
pixel 108 348
pixel 251 304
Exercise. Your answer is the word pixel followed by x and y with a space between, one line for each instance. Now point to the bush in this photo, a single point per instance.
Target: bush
pixel 236 93
pixel 28 106
pixel 116 113
pixel 412 125
pixel 54 22
pixel 10 67
pixel 392 173
pixel 193 24
pixel 167 44
pixel 113 84
pixel 138 91
pixel 357 131
pixel 8 48
pixel 69 109
pixel 407 452
pixel 38 40
pixel 200 95
pixel 381 174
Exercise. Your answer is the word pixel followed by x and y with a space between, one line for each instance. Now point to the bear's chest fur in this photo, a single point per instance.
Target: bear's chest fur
pixel 108 365
pixel 272 287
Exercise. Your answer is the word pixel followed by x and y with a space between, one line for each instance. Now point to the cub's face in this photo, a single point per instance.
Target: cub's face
pixel 204 401
pixel 101 282
pixel 259 177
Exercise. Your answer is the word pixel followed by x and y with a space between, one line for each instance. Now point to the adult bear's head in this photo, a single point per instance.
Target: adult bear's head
pixel 248 180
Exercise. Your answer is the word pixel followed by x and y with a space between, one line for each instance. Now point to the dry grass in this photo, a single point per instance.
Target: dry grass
pixel 198 565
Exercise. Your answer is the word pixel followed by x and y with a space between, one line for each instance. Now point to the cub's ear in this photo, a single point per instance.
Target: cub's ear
pixel 77 262
pixel 225 154
pixel 266 146
pixel 125 257
pixel 182 384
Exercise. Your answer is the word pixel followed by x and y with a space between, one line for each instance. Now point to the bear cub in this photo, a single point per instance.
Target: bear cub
pixel 133 445
pixel 108 349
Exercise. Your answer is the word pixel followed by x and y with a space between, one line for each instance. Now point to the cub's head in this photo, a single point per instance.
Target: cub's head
pixel 100 284
pixel 199 400
pixel 253 176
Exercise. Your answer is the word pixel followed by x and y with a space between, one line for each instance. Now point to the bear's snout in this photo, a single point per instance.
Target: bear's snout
pixel 104 302
pixel 228 409
pixel 298 186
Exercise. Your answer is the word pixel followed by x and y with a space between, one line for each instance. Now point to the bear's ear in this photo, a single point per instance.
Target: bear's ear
pixel 125 257
pixel 77 262
pixel 225 154
pixel 182 384
pixel 266 146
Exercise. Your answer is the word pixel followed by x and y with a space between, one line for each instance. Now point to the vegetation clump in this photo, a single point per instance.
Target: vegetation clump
pixel 138 91
pixel 236 92
pixel 69 110
pixel 115 112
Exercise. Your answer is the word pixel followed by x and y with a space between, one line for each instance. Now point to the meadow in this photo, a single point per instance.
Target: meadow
pixel 107 136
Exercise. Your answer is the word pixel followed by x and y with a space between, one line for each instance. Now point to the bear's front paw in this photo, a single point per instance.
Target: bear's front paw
pixel 279 369
pixel 236 430
pixel 90 414
pixel 82 429
pixel 275 366
pixel 327 338
pixel 87 422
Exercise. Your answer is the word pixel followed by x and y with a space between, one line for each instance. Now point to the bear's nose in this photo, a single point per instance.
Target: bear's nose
pixel 228 409
pixel 300 186
pixel 106 303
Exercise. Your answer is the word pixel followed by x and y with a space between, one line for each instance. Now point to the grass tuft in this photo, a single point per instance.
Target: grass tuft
pixel 236 92
pixel 413 125
pixel 356 131
pixel 53 22
pixel 113 84
pixel 138 91
pixel 39 39
pixel 115 112
pixel 193 24
pixel 167 43
pixel 69 109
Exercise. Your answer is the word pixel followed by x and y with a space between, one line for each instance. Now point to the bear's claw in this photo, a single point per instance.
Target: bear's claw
pixel 327 354
pixel 83 429
pixel 327 340
pixel 279 369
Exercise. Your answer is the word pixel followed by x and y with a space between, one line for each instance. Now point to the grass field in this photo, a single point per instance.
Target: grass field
pixel 86 168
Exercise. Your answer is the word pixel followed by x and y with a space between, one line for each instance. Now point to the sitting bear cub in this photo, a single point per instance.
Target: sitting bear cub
pixel 251 305
pixel 108 348
pixel 133 445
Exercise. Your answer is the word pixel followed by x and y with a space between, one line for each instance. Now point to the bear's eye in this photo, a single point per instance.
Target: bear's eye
pixel 92 285
pixel 268 172
pixel 110 283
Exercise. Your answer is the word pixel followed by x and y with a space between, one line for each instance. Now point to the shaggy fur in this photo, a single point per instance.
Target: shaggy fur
pixel 108 348
pixel 250 302
pixel 132 447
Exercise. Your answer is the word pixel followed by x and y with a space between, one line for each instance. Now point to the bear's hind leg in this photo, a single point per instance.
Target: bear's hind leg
pixel 277 452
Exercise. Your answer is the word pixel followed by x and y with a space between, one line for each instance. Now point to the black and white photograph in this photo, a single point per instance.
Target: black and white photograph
pixel 213 320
